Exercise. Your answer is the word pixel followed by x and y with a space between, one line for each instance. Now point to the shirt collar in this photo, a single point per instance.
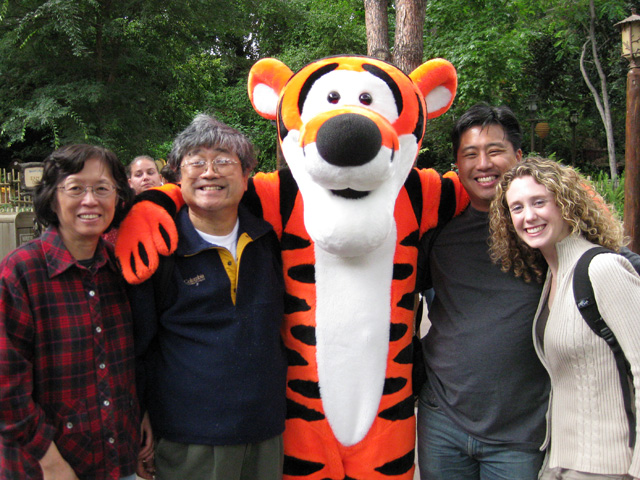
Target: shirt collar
pixel 59 259
pixel 190 243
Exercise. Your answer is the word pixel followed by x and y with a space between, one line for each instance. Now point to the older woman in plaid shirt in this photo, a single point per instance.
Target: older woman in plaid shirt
pixel 67 383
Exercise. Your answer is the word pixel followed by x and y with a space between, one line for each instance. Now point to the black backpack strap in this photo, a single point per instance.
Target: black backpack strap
pixel 586 303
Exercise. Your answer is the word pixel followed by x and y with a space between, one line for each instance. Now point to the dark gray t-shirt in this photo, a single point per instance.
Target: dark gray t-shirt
pixel 479 351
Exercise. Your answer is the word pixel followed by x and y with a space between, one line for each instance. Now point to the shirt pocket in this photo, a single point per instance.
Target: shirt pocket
pixel 73 434
pixel 128 426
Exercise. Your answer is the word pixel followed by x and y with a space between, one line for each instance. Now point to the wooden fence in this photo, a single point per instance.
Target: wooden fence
pixel 12 196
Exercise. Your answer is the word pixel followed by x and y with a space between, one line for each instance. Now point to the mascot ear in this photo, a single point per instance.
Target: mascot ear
pixel 267 78
pixel 437 80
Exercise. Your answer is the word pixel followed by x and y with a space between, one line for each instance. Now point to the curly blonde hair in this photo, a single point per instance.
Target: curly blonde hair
pixel 580 205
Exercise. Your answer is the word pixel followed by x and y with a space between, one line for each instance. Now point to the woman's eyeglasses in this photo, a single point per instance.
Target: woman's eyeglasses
pixel 76 190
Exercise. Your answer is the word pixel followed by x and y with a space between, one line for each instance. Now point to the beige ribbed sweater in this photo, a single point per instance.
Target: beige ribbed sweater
pixel 588 425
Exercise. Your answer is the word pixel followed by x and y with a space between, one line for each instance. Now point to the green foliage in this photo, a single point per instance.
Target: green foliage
pixel 131 74
pixel 612 192
pixel 505 52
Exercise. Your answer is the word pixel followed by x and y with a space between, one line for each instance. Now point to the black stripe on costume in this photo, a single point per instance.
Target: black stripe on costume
pixel 305 334
pixel 293 242
pixel 399 465
pixel 411 240
pixel 391 83
pixel 299 467
pixel 306 86
pixel 405 356
pixel 393 385
pixel 397 331
pixel 447 206
pixel 402 271
pixel 294 359
pixel 288 194
pixel 306 388
pixel 305 273
pixel 420 123
pixel 413 185
pixel 400 411
pixel 297 410
pixel 294 304
pixel 283 131
pixel 159 198
pixel 407 301
pixel 251 200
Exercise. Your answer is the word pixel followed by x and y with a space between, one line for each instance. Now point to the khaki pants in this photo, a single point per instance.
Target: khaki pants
pixel 259 461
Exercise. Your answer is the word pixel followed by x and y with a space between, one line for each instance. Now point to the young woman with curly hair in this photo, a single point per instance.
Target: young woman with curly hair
pixel 543 218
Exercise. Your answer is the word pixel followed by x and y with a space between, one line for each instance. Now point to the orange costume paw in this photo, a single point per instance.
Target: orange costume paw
pixel 147 232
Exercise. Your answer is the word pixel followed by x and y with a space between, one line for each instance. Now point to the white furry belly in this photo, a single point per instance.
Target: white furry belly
pixel 353 312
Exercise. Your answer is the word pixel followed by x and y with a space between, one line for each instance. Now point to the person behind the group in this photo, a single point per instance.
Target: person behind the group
pixel 143 174
pixel 68 406
pixel 481 412
pixel 208 333
pixel 168 175
pixel 544 217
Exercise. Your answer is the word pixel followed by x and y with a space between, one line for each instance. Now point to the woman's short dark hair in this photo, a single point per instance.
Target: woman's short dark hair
pixel 169 174
pixel 69 160
pixel 206 131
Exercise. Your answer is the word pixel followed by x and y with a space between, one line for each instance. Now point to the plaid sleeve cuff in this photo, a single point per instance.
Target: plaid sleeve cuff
pixel 40 441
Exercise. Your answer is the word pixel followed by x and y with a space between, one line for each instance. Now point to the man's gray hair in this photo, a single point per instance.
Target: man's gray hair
pixel 206 131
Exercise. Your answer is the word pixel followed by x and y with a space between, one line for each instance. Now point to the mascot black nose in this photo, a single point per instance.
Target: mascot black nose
pixel 349 140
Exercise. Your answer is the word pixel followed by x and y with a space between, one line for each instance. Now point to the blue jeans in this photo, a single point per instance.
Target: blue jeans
pixel 445 452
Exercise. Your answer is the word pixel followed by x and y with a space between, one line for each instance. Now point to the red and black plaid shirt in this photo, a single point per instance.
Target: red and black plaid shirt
pixel 66 363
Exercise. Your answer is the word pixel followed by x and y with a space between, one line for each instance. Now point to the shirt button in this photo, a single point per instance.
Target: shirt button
pixel 229 263
pixel 69 425
pixel 92 293
pixel 102 366
pixel 106 403
pixel 98 329
pixel 111 440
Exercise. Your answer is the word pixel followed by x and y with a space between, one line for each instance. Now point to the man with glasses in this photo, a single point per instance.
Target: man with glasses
pixel 207 325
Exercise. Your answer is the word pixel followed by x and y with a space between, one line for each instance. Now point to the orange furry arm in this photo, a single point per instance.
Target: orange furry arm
pixel 443 197
pixel 148 231
pixel 462 197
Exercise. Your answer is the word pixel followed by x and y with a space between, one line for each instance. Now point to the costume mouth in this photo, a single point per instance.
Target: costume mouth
pixel 350 193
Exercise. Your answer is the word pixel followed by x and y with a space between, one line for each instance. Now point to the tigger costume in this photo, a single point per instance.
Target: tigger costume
pixel 349 214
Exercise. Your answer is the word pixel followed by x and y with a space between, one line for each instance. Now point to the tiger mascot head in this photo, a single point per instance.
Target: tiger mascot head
pixel 350 128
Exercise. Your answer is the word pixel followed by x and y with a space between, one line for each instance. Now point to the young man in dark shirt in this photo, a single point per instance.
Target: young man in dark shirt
pixel 481 414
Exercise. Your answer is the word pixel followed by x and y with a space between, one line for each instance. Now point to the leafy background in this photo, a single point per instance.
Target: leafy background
pixel 130 74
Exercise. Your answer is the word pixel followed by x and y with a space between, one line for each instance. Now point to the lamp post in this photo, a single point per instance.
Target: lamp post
pixel 630 30
pixel 573 120
pixel 533 108
pixel 542 130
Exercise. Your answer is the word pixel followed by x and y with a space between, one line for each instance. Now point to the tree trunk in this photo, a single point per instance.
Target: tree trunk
pixel 602 103
pixel 409 45
pixel 376 21
pixel 632 164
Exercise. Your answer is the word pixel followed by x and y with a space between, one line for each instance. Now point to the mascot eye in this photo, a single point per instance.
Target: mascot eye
pixel 366 98
pixel 333 97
